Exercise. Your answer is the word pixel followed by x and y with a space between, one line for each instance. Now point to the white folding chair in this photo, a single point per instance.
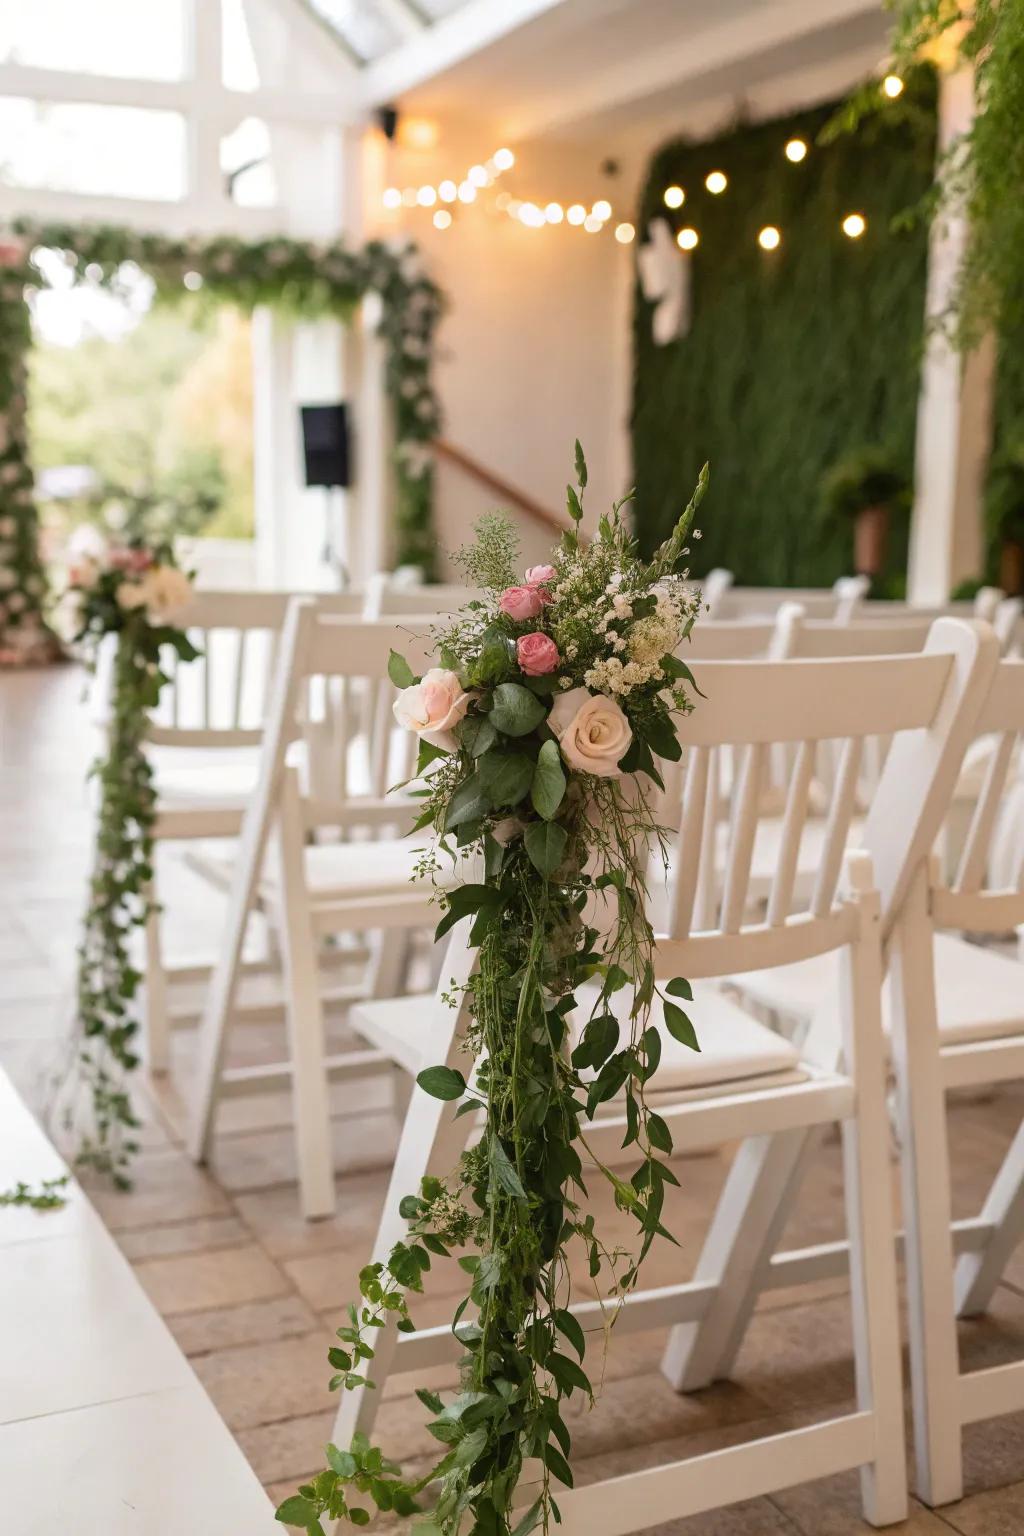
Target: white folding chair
pixel 747 1083
pixel 309 890
pixel 203 745
pixel 385 596
pixel 838 603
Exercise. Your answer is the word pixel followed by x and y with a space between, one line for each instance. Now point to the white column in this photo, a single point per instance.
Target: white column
pixel 954 415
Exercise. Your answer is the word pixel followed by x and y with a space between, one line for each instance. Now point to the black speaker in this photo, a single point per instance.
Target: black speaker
pixel 325 444
pixel 387 121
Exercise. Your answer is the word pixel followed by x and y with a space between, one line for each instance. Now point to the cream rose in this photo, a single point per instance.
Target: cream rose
pixel 163 591
pixel 433 707
pixel 592 731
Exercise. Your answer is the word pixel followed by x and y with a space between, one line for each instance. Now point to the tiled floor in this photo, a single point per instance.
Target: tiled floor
pixel 252 1292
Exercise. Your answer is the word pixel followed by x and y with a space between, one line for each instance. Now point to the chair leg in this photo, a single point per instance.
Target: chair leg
pixel 867 1181
pixel 934 1366
pixel 977 1274
pixel 157 1014
pixel 310 1099
pixel 745 1230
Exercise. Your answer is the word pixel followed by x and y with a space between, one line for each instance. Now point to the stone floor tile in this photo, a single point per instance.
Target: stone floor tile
pixel 799 1355
pixel 260 1384
pixel 205 1234
pixel 256 1322
pixel 263 1159
pixel 168 1187
pixel 275 1218
pixel 999 1512
pixel 994 1454
pixel 292 1448
pixel 195 1282
pixel 831 1506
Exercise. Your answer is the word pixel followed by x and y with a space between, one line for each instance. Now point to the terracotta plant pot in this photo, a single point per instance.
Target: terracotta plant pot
pixel 1011 567
pixel 870 535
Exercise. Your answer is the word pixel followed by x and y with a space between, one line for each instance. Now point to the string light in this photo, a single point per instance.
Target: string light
pixel 426 197
pixel 467 192
pixel 531 216
pixel 624 233
pixel 796 150
pixel 553 213
pixel 577 214
pixel 442 219
pixel 769 238
pixel 892 86
pixel 602 210
pixel 592 224
pixel 675 197
pixel 504 159
pixel 477 175
pixel 392 198
pixel 447 191
pixel 687 239
pixel 716 182
pixel 854 225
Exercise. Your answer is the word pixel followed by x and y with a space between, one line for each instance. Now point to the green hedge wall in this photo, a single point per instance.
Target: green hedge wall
pixel 793 357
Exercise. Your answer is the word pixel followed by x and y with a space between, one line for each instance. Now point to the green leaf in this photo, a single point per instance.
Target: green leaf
pixel 515 710
pixel 567 1374
pixel 468 803
pixel 399 671
pixel 359 1516
pixel 465 899
pixel 658 1133
pixel 477 734
pixel 581 467
pixel 503 1172
pixel 505 777
pixel 548 789
pixel 573 506
pixel 679 1027
pixel 342 1462
pixel 442 1082
pixel 557 1464
pixel 567 1324
pixel 545 845
pixel 598 1041
pixel 680 987
pixel 428 754
pixel 297 1511
pixel 529 1521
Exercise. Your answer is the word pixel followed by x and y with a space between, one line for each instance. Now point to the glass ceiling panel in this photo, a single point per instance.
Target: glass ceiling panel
pixel 363 29
pixel 99 37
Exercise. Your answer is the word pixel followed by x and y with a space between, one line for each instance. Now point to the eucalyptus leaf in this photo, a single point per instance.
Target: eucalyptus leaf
pixel 548 789
pixel 679 1026
pixel 399 671
pixel 515 711
pixel 545 845
pixel 506 778
pixel 442 1082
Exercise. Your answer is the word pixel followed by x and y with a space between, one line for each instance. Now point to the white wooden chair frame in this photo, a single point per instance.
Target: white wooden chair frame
pixel 925 700
pixel 279 816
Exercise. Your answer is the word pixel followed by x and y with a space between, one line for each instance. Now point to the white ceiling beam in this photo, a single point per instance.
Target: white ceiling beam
pixel 185 96
pixel 151 217
pixel 644 74
pixel 439 47
pixel 317 38
pixel 403 16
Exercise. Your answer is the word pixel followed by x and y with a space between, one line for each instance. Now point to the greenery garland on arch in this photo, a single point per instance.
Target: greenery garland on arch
pixel 302 278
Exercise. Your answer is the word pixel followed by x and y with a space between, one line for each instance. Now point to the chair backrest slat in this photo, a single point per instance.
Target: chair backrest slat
pixel 780 898
pixel 741 837
pixel 838 825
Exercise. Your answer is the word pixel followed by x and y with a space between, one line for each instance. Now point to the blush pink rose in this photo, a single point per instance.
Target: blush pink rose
pixel 540 575
pixel 537 654
pixel 433 707
pixel 521 602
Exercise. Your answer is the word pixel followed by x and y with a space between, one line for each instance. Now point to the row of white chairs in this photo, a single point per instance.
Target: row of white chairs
pixel 801 706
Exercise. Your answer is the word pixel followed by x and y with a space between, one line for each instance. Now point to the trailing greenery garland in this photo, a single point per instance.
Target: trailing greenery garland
pixel 555 697
pixel 132 594
pixel 24 637
pixel 300 278
pixel 794 357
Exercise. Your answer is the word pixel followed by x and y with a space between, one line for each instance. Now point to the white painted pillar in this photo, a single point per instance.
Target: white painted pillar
pixel 954 416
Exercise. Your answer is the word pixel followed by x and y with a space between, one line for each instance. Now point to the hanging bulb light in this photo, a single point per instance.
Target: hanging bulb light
pixel 892 86
pixel 448 191
pixel 602 209
pixel 426 197
pixel 392 198
pixel 553 213
pixel 576 214
pixel 674 197
pixel 624 233
pixel 854 225
pixel 796 150
pixel 504 159
pixel 477 175
pixel 467 192
pixel 716 182
pixel 592 224
pixel 687 239
pixel 442 219
pixel 769 238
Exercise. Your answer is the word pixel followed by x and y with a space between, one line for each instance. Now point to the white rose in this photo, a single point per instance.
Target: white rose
pixel 592 732
pixel 433 707
pixel 169 593
pixel 131 594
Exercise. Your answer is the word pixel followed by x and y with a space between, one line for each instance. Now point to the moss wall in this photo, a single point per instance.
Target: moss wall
pixel 794 356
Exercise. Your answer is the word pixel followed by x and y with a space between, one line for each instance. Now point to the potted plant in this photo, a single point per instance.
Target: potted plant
pixel 868 486
pixel 1006 518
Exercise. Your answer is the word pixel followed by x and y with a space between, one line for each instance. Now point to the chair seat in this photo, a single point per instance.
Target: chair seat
pixel 980 994
pixel 734 1049
pixel 339 871
pixel 217 781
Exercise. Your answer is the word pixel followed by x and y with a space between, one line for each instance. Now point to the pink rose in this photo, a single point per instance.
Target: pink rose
pixel 540 575
pixel 521 602
pixel 537 654
pixel 122 558
pixel 433 707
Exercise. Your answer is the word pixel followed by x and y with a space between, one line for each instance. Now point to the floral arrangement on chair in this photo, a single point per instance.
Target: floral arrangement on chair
pixel 540 732
pixel 135 594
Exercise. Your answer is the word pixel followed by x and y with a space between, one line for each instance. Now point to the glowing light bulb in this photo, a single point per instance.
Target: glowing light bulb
pixel 796 150
pixel 687 239
pixel 467 192
pixel 530 215
pixel 504 159
pixel 426 197
pixel 592 224
pixel 553 213
pixel 716 182
pixel 675 197
pixel 854 225
pixel 392 198
pixel 477 175
pixel 442 219
pixel 602 209
pixel 624 233
pixel 769 238
pixel 577 214
pixel 447 191
pixel 892 86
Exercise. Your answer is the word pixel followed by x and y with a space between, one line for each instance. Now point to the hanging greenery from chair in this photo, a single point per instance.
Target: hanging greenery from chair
pixel 541 732
pixel 299 278
pixel 131 596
